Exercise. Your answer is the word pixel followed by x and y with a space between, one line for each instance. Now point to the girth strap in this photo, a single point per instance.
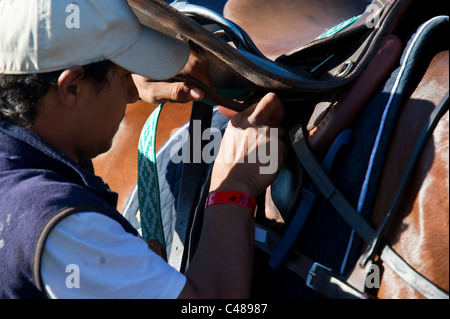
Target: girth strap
pixel 318 277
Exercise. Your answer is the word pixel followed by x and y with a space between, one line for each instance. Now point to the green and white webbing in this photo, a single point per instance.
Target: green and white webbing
pixel 148 183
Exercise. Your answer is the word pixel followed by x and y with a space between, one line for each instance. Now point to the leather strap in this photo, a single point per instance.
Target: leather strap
pixel 308 198
pixel 190 185
pixel 317 172
pixel 318 277
pixel 410 275
pixel 435 117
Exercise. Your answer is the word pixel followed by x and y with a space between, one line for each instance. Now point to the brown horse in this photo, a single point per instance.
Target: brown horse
pixel 296 22
pixel 420 231
pixel 118 167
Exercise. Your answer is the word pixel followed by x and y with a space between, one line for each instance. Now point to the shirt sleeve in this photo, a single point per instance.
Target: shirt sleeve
pixel 89 255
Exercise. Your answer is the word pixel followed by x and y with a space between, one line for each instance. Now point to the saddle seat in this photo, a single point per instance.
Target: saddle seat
pixel 283 25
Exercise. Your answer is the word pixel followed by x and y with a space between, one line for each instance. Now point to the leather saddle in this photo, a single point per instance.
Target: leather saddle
pixel 309 79
pixel 320 66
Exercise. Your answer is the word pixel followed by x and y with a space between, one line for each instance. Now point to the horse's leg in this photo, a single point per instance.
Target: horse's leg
pixel 420 232
pixel 118 166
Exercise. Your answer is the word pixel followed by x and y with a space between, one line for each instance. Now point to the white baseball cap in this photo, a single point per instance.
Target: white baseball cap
pixel 38 36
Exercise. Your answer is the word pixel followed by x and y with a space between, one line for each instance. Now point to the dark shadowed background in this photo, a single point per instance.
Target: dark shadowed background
pixel 216 5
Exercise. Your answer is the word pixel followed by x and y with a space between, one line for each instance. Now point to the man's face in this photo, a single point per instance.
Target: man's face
pixel 104 110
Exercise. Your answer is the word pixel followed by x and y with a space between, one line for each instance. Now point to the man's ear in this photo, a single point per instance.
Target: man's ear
pixel 69 85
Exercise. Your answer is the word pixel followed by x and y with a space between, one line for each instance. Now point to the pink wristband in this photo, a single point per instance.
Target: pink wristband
pixel 234 198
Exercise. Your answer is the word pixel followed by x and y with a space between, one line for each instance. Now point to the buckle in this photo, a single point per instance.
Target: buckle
pixel 312 273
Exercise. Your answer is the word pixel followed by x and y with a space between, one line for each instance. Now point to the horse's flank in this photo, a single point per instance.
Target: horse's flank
pixel 420 232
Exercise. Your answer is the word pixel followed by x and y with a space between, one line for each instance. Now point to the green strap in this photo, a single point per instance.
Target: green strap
pixel 148 184
pixel 338 28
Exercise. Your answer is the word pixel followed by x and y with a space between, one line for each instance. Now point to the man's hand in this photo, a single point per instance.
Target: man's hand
pixel 159 92
pixel 251 143
pixel 223 263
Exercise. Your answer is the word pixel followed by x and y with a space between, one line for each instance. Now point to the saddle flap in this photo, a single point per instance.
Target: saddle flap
pixel 233 68
pixel 229 68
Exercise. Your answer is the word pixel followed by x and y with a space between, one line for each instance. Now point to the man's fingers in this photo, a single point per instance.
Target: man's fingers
pixel 181 92
pixel 177 90
pixel 160 92
pixel 269 111
pixel 197 67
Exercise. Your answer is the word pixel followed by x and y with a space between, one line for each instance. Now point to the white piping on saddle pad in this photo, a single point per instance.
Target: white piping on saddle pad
pixel 363 193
